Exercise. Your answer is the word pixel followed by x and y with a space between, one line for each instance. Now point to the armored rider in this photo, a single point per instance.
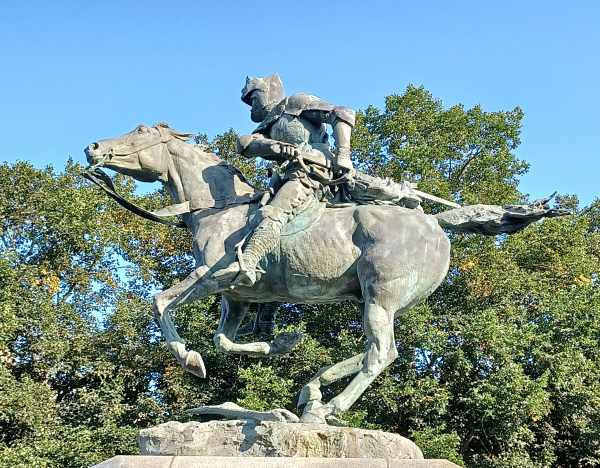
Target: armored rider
pixel 289 127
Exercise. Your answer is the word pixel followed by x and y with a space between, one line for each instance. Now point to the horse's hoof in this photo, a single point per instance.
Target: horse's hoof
pixel 194 364
pixel 285 342
pixel 311 418
pixel 284 415
pixel 316 412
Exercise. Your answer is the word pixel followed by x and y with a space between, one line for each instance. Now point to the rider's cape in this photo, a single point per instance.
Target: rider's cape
pixel 313 107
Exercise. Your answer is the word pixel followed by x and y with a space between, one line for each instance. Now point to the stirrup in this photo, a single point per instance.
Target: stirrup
pixel 239 254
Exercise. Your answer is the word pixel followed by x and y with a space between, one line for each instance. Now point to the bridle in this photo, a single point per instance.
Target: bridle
pixel 95 175
pixel 165 137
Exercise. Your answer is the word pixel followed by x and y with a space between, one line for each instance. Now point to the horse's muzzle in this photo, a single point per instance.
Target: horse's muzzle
pixel 94 155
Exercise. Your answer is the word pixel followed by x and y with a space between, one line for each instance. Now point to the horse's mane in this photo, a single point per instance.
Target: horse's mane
pixel 204 149
pixel 161 126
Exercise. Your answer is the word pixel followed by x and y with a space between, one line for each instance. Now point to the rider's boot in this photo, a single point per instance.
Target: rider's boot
pixel 341 134
pixel 263 240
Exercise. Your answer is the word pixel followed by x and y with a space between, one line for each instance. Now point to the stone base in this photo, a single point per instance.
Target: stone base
pixel 123 461
pixel 250 438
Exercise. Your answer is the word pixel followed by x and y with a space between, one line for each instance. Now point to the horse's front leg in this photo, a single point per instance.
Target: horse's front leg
pixel 264 323
pixel 200 283
pixel 232 314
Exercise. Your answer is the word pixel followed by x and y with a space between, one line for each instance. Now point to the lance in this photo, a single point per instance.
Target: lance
pixel 321 160
pixel 433 198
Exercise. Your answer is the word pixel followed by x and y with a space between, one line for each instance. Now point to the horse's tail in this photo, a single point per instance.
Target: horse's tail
pixel 490 220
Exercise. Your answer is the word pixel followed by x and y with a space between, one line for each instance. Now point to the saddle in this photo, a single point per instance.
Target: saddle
pixel 308 215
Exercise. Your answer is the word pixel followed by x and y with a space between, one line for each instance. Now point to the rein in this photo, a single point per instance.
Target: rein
pixel 95 175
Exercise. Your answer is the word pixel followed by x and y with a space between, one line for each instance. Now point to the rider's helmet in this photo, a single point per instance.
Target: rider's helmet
pixel 271 86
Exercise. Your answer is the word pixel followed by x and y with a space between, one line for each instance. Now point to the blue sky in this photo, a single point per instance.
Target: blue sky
pixel 72 72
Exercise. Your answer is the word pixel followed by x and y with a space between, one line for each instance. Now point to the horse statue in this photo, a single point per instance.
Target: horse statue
pixel 385 258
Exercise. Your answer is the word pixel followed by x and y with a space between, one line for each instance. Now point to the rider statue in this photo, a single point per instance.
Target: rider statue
pixel 290 127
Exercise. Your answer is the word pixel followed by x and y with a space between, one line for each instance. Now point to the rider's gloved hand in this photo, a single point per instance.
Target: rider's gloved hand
pixel 288 151
pixel 409 198
pixel 347 173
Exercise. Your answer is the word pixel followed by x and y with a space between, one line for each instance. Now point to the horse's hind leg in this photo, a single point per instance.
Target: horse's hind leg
pixel 381 351
pixel 310 395
pixel 382 301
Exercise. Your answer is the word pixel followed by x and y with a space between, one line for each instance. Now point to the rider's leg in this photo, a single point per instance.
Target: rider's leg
pixel 263 240
pixel 265 237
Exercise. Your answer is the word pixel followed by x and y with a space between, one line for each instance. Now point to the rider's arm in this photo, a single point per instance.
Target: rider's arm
pixel 258 146
pixel 342 120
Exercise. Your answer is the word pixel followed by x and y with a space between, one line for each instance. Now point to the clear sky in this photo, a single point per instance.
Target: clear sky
pixel 72 72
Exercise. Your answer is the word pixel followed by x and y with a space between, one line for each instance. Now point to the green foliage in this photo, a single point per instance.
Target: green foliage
pixel 435 442
pixel 464 154
pixel 358 418
pixel 264 389
pixel 498 368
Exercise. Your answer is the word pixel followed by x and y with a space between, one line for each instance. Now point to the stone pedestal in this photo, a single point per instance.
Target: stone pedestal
pixel 123 461
pixel 273 439
pixel 268 444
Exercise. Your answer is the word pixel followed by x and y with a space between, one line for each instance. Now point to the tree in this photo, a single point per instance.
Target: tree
pixel 483 359
pixel 82 366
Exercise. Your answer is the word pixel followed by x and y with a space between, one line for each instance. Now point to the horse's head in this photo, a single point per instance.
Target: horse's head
pixel 142 153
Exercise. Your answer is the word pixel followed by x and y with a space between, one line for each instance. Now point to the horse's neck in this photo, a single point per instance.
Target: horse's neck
pixel 201 176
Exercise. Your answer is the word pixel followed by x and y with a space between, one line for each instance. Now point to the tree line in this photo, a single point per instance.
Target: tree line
pixel 500 367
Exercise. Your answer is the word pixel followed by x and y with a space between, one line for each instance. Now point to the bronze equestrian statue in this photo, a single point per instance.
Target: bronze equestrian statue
pixel 308 249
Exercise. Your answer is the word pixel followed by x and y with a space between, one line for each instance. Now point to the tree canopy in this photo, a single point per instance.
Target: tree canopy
pixel 500 367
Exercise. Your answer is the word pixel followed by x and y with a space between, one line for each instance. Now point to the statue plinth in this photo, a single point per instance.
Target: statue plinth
pixel 250 438
pixel 271 444
pixel 124 461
